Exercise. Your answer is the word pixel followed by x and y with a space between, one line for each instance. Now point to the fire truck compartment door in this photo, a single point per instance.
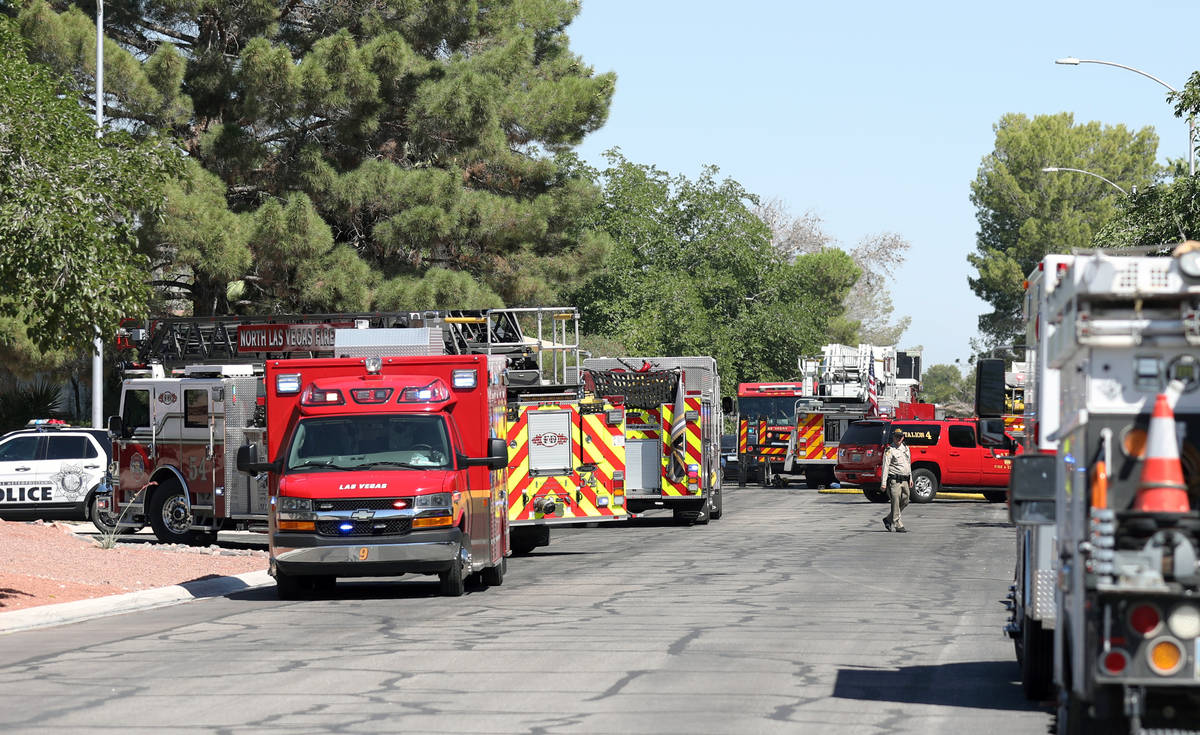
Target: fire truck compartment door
pixel 550 437
pixel 643 464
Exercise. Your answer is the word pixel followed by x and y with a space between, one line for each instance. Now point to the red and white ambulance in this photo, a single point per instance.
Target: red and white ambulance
pixel 381 466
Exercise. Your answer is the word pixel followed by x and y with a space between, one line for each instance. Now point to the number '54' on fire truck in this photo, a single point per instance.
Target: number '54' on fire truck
pixel 384 466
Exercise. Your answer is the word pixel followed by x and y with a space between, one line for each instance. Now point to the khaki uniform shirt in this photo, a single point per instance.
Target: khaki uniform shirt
pixel 896 461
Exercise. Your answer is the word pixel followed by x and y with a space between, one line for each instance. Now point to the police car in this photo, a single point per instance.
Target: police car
pixel 50 470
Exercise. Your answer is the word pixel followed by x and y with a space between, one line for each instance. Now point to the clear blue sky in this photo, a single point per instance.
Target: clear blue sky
pixel 876 115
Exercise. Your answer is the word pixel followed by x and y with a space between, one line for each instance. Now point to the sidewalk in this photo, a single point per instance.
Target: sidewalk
pixel 44 616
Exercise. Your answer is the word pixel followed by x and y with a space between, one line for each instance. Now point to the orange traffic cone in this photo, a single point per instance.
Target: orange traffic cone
pixel 1161 489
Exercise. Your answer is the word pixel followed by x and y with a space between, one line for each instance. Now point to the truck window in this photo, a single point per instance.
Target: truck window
pixel 962 437
pixel 920 435
pixel 401 441
pixel 864 434
pixel 135 411
pixel 195 408
pixel 70 447
pixel 775 409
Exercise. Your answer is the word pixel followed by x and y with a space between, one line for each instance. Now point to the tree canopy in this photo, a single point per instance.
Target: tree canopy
pixel 343 150
pixel 692 271
pixel 1025 213
pixel 70 205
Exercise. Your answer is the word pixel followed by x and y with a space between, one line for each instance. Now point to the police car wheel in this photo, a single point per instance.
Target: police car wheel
pixel 169 515
pixel 104 521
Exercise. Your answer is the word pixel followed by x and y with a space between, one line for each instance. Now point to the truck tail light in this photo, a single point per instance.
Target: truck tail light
pixel 1145 619
pixel 618 482
pixel 1165 657
pixel 614 418
pixel 1114 662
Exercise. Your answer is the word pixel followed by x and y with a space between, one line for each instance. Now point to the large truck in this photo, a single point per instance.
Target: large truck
pixel 672 431
pixel 788 431
pixel 382 467
pixel 1032 617
pixel 195 393
pixel 1124 485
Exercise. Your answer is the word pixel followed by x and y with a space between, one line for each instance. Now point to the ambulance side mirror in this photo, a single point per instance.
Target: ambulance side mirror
pixel 247 460
pixel 727 404
pixel 497 458
pixel 1031 489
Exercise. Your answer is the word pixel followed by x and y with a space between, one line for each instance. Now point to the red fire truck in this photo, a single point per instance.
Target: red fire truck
pixel 384 466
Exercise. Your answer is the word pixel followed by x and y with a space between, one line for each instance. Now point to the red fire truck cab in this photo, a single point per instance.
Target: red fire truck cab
pixel 382 467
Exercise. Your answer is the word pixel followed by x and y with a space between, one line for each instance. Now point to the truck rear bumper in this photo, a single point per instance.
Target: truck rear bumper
pixel 424 552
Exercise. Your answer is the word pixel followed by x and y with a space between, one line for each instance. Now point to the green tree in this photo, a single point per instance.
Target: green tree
pixel 941 384
pixel 1025 213
pixel 350 148
pixel 69 209
pixel 692 271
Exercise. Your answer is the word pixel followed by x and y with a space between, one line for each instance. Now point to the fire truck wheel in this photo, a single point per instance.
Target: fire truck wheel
pixel 494 576
pixel 717 507
pixel 764 475
pixel 995 496
pixel 924 486
pixel 169 515
pixel 1036 656
pixel 323 584
pixel 105 522
pixel 453 583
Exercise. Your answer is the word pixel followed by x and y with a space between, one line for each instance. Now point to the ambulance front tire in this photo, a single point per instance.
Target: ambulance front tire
pixel 291 587
pixel 453 583
pixel 170 516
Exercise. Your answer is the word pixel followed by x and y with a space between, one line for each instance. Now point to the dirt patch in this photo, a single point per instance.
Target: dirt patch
pixel 44 563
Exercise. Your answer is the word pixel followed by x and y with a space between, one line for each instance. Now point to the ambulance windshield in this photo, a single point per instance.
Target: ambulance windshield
pixel 399 441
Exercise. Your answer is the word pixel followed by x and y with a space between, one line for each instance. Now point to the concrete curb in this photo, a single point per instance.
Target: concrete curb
pixel 44 616
pixel 951 496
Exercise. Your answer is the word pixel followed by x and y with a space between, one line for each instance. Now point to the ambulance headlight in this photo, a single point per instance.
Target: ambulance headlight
pixel 436 500
pixel 287 385
pixel 1189 263
pixel 294 509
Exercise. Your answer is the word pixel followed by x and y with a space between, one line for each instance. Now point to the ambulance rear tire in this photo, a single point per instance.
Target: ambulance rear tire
pixel 494 576
pixel 105 522
pixel 170 516
pixel 453 583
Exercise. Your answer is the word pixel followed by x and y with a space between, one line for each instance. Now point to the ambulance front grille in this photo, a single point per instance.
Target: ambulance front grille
pixel 388 527
pixel 355 504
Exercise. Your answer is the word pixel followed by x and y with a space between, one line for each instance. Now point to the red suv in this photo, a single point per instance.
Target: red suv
pixel 952 454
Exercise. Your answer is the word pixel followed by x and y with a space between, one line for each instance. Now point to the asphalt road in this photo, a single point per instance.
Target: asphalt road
pixel 796 612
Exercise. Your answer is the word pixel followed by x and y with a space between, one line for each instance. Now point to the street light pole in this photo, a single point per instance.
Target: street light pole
pixel 1052 169
pixel 98 343
pixel 1072 61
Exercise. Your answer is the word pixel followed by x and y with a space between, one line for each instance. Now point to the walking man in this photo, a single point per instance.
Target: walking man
pixel 897 473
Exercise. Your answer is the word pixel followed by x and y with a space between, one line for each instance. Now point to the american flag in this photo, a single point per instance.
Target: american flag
pixel 872 388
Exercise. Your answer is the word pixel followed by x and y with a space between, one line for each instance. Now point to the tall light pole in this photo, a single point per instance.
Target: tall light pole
pixel 1052 169
pixel 1072 61
pixel 98 342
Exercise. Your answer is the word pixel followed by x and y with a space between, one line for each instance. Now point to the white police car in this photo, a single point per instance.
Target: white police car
pixel 52 471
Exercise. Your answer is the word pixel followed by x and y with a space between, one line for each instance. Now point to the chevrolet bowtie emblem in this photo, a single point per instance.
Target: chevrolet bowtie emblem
pixel 363 515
